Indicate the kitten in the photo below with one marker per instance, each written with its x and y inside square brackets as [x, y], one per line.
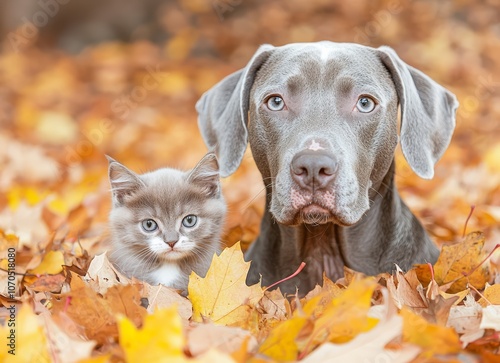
[165, 223]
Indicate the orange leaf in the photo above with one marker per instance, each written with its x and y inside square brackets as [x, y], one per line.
[456, 263]
[434, 339]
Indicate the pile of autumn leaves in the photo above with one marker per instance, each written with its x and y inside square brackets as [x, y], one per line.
[71, 314]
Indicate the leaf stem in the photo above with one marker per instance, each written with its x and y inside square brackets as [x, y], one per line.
[301, 267]
[483, 261]
[472, 207]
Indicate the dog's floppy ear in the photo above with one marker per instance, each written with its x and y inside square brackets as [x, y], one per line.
[427, 114]
[223, 113]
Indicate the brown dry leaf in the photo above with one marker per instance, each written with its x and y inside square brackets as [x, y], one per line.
[274, 306]
[63, 347]
[48, 283]
[465, 319]
[438, 304]
[457, 261]
[223, 296]
[102, 275]
[87, 309]
[403, 292]
[160, 297]
[96, 314]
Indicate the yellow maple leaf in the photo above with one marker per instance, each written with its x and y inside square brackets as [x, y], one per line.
[223, 296]
[491, 295]
[159, 340]
[7, 240]
[434, 339]
[326, 293]
[281, 342]
[345, 316]
[339, 321]
[51, 264]
[27, 336]
[457, 261]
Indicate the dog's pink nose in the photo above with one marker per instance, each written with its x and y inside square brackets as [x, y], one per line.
[313, 170]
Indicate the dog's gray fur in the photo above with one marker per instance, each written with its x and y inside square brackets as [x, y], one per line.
[358, 220]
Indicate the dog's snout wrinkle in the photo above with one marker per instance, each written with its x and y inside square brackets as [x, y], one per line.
[313, 170]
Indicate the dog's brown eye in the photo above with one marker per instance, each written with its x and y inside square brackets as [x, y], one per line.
[365, 104]
[275, 103]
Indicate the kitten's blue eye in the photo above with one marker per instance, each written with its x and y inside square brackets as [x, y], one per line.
[189, 221]
[149, 225]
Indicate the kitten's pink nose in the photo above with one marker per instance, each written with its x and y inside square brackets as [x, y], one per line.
[171, 244]
[171, 238]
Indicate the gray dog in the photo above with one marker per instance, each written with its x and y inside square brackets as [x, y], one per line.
[322, 123]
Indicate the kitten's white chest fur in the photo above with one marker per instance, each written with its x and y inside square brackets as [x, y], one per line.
[167, 274]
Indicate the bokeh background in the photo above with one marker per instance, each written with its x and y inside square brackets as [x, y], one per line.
[83, 78]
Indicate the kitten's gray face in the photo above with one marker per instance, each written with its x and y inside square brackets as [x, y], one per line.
[167, 215]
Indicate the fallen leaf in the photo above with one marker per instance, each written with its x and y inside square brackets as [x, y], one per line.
[49, 283]
[432, 338]
[491, 318]
[274, 306]
[281, 343]
[465, 318]
[28, 338]
[52, 263]
[205, 337]
[159, 340]
[491, 295]
[102, 275]
[456, 262]
[345, 316]
[369, 346]
[159, 297]
[223, 296]
[97, 314]
[403, 292]
[66, 348]
[326, 293]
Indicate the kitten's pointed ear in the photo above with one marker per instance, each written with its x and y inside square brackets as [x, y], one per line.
[206, 176]
[123, 181]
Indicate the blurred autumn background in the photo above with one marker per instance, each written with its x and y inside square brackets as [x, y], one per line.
[81, 79]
